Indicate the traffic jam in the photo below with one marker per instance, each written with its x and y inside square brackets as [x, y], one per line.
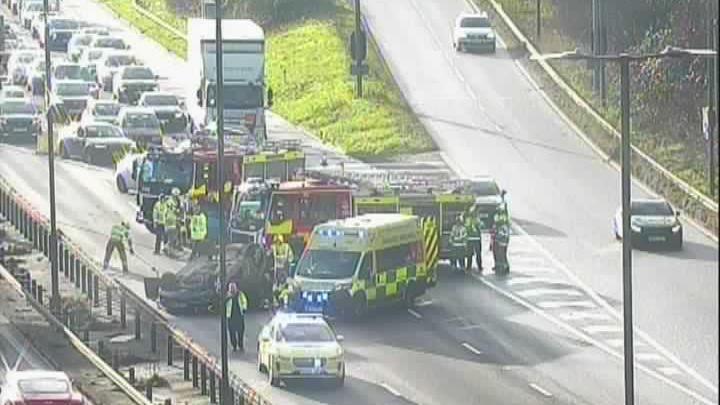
[309, 245]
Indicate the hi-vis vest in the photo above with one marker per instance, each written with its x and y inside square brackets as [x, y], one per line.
[458, 234]
[229, 305]
[119, 234]
[171, 214]
[282, 253]
[198, 227]
[472, 228]
[159, 212]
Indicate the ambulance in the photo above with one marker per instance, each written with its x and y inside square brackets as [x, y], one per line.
[356, 264]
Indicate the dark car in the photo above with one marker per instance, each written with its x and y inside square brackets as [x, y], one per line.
[652, 222]
[131, 81]
[60, 31]
[141, 125]
[19, 120]
[74, 95]
[169, 110]
[95, 143]
[102, 111]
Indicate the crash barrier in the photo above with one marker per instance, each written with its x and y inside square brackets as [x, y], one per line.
[86, 274]
[174, 31]
[695, 204]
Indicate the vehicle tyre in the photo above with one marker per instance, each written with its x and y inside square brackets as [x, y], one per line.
[272, 376]
[359, 306]
[88, 158]
[261, 367]
[121, 186]
[340, 381]
[409, 295]
[64, 152]
[492, 50]
[677, 242]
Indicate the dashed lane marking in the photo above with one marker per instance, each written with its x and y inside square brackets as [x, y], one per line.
[414, 313]
[424, 303]
[566, 304]
[541, 390]
[471, 348]
[470, 327]
[530, 280]
[594, 329]
[669, 371]
[391, 390]
[536, 292]
[580, 316]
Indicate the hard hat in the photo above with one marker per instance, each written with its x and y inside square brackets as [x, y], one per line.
[175, 191]
[162, 195]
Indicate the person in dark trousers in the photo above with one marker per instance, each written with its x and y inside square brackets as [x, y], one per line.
[159, 223]
[235, 307]
[119, 237]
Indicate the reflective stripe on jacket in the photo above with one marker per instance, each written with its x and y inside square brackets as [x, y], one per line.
[282, 253]
[159, 212]
[119, 234]
[458, 234]
[198, 227]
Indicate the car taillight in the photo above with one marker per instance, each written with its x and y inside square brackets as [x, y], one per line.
[250, 120]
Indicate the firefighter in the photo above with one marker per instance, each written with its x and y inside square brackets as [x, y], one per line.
[282, 257]
[500, 241]
[458, 243]
[472, 226]
[198, 230]
[171, 220]
[159, 223]
[119, 235]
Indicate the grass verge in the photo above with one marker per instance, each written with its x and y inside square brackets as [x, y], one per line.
[308, 69]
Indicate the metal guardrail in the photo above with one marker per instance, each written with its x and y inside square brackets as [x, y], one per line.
[140, 9]
[80, 346]
[583, 104]
[77, 265]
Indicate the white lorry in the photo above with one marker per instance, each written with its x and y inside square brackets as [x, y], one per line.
[244, 85]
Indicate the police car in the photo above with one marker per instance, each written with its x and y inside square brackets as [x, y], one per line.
[300, 346]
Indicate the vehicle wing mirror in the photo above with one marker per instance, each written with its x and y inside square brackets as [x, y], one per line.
[340, 338]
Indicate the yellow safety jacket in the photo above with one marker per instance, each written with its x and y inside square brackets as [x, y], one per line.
[159, 213]
[198, 227]
[229, 306]
[171, 214]
[119, 234]
[282, 253]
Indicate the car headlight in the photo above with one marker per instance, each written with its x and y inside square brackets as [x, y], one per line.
[343, 286]
[676, 228]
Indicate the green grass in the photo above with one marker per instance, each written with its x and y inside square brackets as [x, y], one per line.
[308, 69]
[673, 156]
[125, 10]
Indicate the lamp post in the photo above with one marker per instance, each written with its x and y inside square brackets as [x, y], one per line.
[54, 278]
[219, 102]
[624, 60]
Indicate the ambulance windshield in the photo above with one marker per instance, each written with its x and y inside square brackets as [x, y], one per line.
[328, 264]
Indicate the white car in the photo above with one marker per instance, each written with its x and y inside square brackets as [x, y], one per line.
[126, 172]
[473, 32]
[39, 387]
[652, 222]
[300, 346]
[110, 63]
[29, 10]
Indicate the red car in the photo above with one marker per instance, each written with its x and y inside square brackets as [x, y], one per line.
[39, 387]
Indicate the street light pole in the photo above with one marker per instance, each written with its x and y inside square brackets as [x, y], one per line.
[54, 278]
[225, 380]
[627, 232]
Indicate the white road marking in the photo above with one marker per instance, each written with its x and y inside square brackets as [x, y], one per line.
[585, 315]
[593, 329]
[471, 348]
[536, 292]
[414, 313]
[649, 357]
[669, 371]
[469, 327]
[529, 280]
[566, 304]
[541, 390]
[391, 389]
[599, 344]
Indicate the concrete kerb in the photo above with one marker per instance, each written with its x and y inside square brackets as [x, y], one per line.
[17, 208]
[710, 229]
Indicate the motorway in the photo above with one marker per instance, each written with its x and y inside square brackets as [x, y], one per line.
[488, 118]
[467, 342]
[15, 354]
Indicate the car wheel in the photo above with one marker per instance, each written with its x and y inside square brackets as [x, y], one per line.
[409, 295]
[677, 243]
[272, 376]
[261, 366]
[88, 158]
[340, 381]
[122, 187]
